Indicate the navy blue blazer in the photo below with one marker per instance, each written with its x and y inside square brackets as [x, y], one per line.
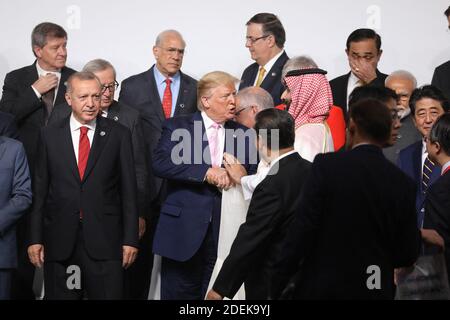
[15, 197]
[188, 208]
[410, 162]
[272, 81]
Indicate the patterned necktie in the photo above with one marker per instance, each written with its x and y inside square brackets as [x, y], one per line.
[428, 167]
[261, 74]
[167, 99]
[48, 99]
[213, 141]
[83, 151]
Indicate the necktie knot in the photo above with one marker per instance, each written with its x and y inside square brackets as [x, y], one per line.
[168, 81]
[261, 74]
[84, 130]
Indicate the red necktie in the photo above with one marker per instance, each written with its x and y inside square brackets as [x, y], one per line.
[83, 151]
[167, 99]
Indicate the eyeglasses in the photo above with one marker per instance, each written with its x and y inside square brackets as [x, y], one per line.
[253, 40]
[237, 113]
[172, 51]
[111, 87]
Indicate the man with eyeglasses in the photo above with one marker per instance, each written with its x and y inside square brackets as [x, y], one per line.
[403, 83]
[427, 103]
[363, 52]
[441, 78]
[249, 102]
[137, 279]
[265, 40]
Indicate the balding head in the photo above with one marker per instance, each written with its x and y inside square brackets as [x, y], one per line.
[403, 83]
[169, 52]
[249, 102]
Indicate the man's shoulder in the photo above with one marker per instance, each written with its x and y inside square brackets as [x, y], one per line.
[19, 73]
[340, 79]
[137, 78]
[68, 70]
[126, 110]
[188, 79]
[249, 69]
[13, 145]
[444, 67]
[407, 151]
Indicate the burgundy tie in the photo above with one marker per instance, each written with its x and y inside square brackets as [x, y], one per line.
[167, 99]
[83, 151]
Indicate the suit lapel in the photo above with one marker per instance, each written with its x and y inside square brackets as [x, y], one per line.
[153, 94]
[417, 162]
[62, 86]
[196, 130]
[273, 74]
[101, 136]
[66, 143]
[182, 94]
[32, 75]
[113, 112]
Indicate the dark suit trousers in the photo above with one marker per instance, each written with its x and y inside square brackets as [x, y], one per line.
[5, 284]
[189, 280]
[100, 279]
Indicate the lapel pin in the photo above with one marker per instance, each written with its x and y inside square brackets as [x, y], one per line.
[116, 118]
[274, 74]
[181, 105]
[102, 133]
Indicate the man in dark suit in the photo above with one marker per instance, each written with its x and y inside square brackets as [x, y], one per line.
[427, 103]
[137, 277]
[363, 50]
[29, 94]
[84, 216]
[403, 83]
[8, 127]
[189, 155]
[441, 75]
[15, 198]
[347, 241]
[265, 40]
[438, 198]
[149, 93]
[271, 211]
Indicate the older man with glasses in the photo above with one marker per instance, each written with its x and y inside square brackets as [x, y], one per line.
[265, 41]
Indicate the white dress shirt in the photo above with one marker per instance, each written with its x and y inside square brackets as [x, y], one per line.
[75, 126]
[445, 166]
[268, 66]
[42, 72]
[208, 122]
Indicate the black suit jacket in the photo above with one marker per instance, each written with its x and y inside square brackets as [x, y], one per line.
[20, 100]
[8, 127]
[437, 216]
[259, 240]
[272, 81]
[441, 78]
[106, 196]
[128, 117]
[140, 92]
[357, 211]
[339, 89]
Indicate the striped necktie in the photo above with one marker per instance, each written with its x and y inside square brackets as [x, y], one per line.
[428, 167]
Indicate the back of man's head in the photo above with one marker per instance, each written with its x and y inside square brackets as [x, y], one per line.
[373, 121]
[378, 93]
[364, 34]
[276, 128]
[440, 132]
[271, 25]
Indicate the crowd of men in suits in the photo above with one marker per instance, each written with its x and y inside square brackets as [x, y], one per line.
[102, 185]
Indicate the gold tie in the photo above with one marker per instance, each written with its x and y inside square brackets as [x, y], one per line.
[261, 74]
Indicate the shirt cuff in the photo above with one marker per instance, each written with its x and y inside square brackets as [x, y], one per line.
[37, 92]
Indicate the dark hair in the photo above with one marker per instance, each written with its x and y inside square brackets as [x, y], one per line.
[378, 93]
[440, 132]
[373, 119]
[43, 31]
[447, 12]
[364, 34]
[271, 25]
[271, 123]
[427, 91]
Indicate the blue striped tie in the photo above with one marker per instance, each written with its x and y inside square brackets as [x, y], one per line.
[428, 167]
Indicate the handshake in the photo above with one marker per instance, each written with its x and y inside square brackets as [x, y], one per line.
[228, 177]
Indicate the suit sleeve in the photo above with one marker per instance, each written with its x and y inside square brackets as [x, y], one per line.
[249, 246]
[128, 192]
[17, 101]
[407, 237]
[21, 193]
[437, 79]
[167, 164]
[40, 186]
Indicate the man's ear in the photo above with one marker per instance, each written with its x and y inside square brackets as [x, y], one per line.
[37, 51]
[156, 52]
[205, 102]
[68, 99]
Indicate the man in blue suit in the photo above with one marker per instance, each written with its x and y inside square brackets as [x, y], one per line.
[15, 198]
[427, 103]
[189, 155]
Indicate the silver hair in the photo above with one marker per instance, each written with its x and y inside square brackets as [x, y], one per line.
[43, 31]
[299, 62]
[255, 96]
[97, 65]
[402, 74]
[160, 37]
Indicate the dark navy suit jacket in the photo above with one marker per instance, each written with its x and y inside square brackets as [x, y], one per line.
[410, 162]
[189, 206]
[15, 197]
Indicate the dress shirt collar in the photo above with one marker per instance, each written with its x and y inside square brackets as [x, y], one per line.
[161, 79]
[76, 125]
[270, 63]
[42, 72]
[208, 121]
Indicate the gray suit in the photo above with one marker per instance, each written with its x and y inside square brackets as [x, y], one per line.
[408, 134]
[15, 198]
